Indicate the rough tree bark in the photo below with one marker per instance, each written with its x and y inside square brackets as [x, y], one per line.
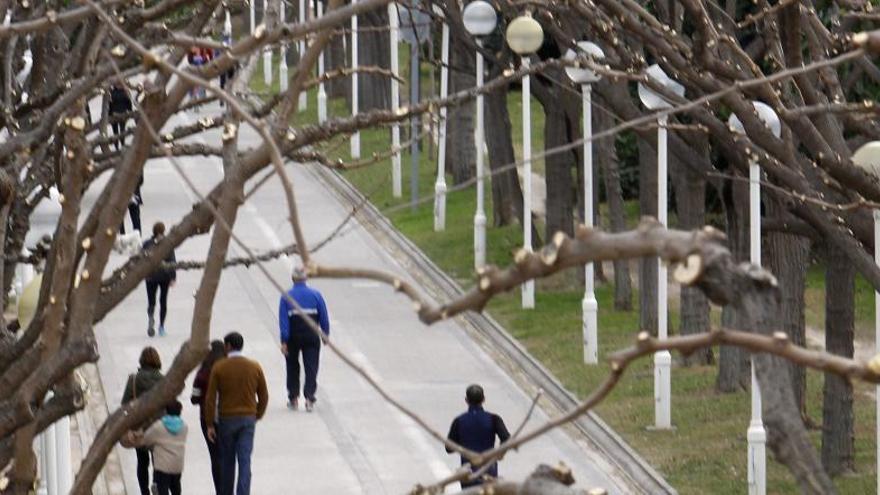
[507, 198]
[374, 91]
[607, 161]
[838, 446]
[733, 363]
[690, 203]
[787, 257]
[648, 267]
[460, 151]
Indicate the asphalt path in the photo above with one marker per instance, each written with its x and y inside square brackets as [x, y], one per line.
[354, 442]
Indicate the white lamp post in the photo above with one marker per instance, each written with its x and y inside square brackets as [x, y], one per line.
[322, 93]
[663, 359]
[440, 185]
[303, 95]
[356, 137]
[524, 36]
[479, 20]
[282, 66]
[868, 157]
[267, 53]
[396, 176]
[756, 435]
[586, 77]
[253, 15]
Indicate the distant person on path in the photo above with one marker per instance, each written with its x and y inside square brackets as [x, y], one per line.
[160, 280]
[199, 391]
[120, 104]
[167, 439]
[147, 376]
[237, 392]
[476, 430]
[297, 337]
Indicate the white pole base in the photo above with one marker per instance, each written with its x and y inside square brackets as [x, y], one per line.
[396, 175]
[591, 328]
[267, 69]
[282, 75]
[479, 240]
[440, 206]
[356, 146]
[662, 390]
[62, 442]
[757, 470]
[528, 294]
[303, 103]
[322, 104]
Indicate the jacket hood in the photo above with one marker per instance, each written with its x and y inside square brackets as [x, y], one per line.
[172, 423]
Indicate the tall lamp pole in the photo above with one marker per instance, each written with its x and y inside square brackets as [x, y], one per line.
[282, 65]
[756, 434]
[303, 95]
[356, 137]
[322, 93]
[662, 359]
[267, 53]
[524, 36]
[480, 19]
[440, 185]
[586, 77]
[868, 158]
[396, 175]
[253, 18]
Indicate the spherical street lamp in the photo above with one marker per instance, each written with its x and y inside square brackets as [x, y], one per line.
[480, 19]
[585, 77]
[524, 36]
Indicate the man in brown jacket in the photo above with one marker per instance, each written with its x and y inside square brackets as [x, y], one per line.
[240, 387]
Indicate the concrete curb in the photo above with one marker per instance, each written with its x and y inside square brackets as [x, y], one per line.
[643, 477]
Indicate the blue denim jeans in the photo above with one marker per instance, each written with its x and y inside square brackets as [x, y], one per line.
[236, 441]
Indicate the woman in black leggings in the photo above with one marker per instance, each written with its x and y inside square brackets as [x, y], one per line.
[160, 280]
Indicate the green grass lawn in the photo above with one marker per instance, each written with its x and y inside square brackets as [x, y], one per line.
[706, 452]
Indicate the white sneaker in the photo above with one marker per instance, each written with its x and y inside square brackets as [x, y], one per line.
[293, 404]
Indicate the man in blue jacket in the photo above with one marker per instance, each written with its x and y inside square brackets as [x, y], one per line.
[476, 430]
[297, 337]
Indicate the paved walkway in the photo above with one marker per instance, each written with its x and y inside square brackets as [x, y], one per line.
[354, 442]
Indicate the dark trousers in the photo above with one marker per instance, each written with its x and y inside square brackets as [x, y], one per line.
[310, 348]
[236, 441]
[213, 453]
[118, 130]
[143, 469]
[163, 299]
[167, 483]
[134, 211]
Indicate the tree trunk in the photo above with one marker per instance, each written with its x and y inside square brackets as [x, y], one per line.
[691, 207]
[648, 267]
[838, 450]
[460, 151]
[374, 91]
[507, 198]
[561, 186]
[787, 257]
[606, 156]
[335, 58]
[733, 363]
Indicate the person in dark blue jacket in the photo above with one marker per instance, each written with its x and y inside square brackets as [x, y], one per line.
[476, 430]
[297, 337]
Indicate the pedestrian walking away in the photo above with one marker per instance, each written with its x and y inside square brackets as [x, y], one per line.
[159, 281]
[476, 430]
[147, 376]
[199, 391]
[237, 393]
[119, 106]
[299, 338]
[167, 439]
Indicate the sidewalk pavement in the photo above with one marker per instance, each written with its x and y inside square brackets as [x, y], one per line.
[354, 442]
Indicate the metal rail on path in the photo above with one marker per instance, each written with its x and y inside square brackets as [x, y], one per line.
[643, 478]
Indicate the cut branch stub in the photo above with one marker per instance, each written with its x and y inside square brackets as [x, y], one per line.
[687, 272]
